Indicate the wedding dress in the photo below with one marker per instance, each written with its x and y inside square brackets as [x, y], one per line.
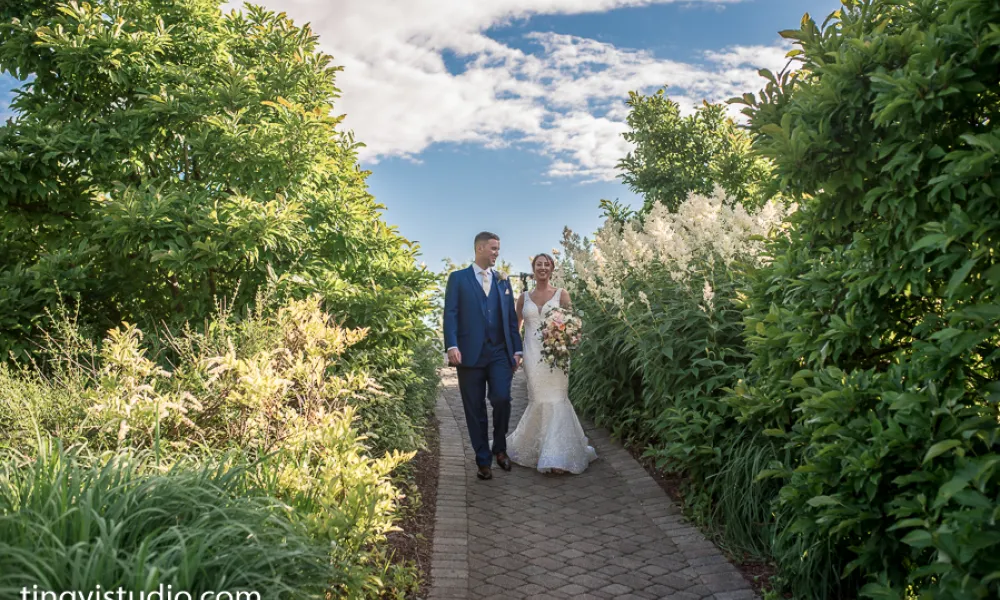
[549, 436]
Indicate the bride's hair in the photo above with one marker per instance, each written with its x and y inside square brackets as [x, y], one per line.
[541, 255]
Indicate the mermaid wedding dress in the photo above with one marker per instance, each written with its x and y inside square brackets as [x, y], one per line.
[549, 436]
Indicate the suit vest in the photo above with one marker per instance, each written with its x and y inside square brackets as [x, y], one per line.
[494, 318]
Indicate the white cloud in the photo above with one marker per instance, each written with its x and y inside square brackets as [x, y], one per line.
[743, 56]
[583, 145]
[565, 100]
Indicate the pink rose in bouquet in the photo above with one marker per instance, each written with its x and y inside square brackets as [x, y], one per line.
[560, 337]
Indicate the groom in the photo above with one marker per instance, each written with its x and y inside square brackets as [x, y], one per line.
[481, 335]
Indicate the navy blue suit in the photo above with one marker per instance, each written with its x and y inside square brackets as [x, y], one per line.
[484, 328]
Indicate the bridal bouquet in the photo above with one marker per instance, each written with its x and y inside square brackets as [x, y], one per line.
[560, 337]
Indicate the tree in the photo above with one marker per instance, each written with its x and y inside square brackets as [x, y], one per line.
[876, 329]
[676, 156]
[165, 155]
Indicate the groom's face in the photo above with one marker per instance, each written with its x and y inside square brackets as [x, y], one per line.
[488, 251]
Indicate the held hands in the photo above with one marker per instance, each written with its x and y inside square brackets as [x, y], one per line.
[455, 359]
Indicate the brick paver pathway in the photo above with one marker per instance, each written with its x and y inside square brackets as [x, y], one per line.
[608, 533]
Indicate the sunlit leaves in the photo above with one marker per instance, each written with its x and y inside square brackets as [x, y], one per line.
[885, 290]
[165, 155]
[675, 156]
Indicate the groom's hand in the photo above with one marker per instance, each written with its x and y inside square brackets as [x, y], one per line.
[518, 359]
[454, 357]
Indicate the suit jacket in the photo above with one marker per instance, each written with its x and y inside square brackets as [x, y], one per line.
[465, 315]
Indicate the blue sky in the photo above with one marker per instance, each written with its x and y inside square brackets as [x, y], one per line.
[507, 115]
[7, 83]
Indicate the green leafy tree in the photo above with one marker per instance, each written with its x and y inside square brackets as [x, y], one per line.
[164, 155]
[676, 156]
[616, 211]
[876, 330]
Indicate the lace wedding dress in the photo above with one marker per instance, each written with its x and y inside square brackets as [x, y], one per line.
[549, 436]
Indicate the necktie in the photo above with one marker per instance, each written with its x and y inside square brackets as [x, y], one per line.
[486, 282]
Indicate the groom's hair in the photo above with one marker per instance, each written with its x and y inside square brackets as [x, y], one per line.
[484, 236]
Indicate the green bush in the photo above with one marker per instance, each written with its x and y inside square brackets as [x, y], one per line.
[70, 522]
[279, 388]
[663, 340]
[164, 156]
[201, 149]
[345, 498]
[875, 332]
[676, 156]
[237, 382]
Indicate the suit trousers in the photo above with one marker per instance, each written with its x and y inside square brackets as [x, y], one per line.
[488, 378]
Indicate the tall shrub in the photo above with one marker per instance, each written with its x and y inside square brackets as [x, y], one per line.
[875, 332]
[163, 155]
[663, 337]
[279, 390]
[677, 155]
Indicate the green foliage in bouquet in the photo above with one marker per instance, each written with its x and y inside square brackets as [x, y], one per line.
[876, 331]
[164, 155]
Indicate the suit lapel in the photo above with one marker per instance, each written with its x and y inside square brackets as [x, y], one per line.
[502, 290]
[480, 295]
[472, 278]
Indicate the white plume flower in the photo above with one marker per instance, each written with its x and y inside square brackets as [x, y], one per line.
[705, 231]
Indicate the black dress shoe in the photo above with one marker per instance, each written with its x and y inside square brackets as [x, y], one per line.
[503, 461]
[484, 472]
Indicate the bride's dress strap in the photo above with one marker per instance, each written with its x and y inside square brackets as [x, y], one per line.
[557, 297]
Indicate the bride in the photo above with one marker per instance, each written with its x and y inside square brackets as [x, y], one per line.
[549, 436]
